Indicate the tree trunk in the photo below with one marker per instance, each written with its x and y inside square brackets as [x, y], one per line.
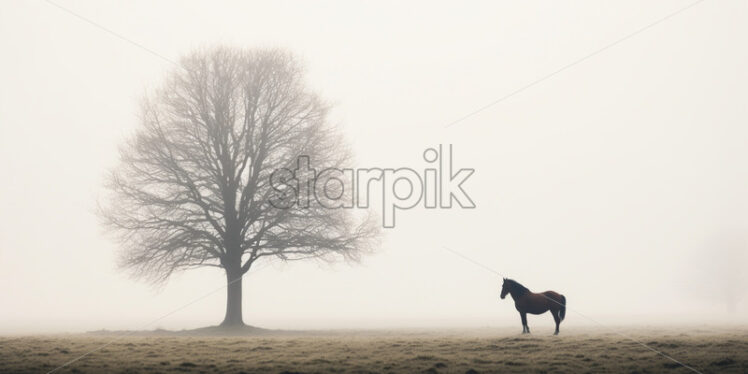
[233, 298]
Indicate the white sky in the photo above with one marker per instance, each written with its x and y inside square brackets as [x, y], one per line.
[619, 182]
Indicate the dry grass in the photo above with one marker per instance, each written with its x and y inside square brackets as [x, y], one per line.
[486, 351]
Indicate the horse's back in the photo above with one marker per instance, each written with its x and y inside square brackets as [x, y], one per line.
[553, 294]
[555, 299]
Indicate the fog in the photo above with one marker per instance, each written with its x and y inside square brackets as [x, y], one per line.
[620, 181]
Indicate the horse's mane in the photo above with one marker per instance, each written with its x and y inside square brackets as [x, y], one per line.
[518, 288]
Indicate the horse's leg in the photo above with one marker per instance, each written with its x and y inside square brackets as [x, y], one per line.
[525, 328]
[556, 318]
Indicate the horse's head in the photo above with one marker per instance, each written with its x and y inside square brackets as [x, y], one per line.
[504, 289]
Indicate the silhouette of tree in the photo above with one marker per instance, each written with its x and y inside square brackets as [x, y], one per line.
[193, 185]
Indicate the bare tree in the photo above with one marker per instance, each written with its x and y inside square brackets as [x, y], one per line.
[193, 186]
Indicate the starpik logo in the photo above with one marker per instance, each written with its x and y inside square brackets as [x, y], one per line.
[438, 185]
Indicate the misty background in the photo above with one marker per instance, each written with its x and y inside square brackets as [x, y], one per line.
[620, 182]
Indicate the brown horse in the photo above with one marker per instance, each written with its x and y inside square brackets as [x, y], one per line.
[534, 303]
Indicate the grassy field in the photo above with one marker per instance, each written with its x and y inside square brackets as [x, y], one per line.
[485, 351]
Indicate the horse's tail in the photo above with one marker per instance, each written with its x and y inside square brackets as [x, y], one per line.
[562, 312]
